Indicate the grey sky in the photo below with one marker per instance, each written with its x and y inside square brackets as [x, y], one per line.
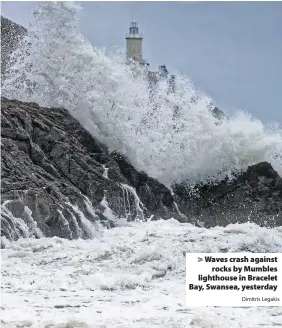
[232, 50]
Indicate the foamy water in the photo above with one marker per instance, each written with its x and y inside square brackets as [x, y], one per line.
[128, 277]
[62, 69]
[132, 275]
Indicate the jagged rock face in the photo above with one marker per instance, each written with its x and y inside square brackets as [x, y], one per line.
[57, 180]
[50, 164]
[254, 196]
[218, 114]
[11, 34]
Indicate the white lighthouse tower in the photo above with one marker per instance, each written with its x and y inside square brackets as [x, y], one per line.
[134, 44]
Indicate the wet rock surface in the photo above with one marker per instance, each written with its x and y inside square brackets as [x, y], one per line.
[57, 180]
[254, 196]
[50, 164]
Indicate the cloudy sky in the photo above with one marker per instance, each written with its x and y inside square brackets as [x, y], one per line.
[232, 50]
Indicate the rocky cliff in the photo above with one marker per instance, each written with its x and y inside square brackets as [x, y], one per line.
[56, 175]
[57, 180]
[254, 196]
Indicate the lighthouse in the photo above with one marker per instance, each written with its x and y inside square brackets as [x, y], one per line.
[134, 44]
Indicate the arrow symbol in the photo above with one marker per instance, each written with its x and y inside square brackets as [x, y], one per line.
[200, 259]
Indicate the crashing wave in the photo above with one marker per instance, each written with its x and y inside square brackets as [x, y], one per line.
[57, 67]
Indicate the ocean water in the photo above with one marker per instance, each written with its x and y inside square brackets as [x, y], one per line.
[57, 66]
[132, 275]
[127, 277]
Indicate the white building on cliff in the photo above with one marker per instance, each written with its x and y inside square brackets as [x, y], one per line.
[134, 53]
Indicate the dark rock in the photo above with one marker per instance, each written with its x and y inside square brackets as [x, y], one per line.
[54, 178]
[145, 186]
[218, 114]
[254, 196]
[51, 164]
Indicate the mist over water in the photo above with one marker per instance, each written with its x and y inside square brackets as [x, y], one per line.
[57, 67]
[136, 269]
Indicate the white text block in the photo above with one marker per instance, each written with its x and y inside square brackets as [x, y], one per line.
[233, 279]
